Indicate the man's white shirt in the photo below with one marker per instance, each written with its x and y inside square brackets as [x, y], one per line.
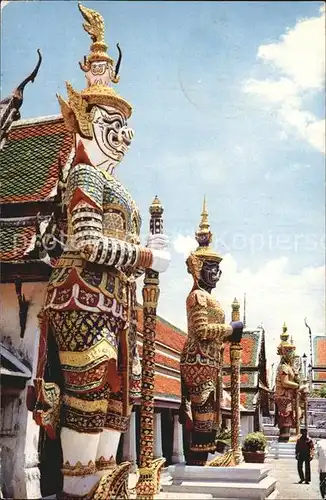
[321, 454]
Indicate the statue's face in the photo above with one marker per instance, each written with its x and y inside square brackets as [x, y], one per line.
[111, 138]
[210, 273]
[99, 67]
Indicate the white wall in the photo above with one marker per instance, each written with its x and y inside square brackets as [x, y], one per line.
[20, 453]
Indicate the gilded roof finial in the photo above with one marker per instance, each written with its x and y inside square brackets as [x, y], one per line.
[235, 310]
[156, 207]
[235, 304]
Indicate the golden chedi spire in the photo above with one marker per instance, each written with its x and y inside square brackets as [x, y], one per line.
[100, 74]
[235, 310]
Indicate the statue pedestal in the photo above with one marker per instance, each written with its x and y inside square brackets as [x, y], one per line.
[245, 481]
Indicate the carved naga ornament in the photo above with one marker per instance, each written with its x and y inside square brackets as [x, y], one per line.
[9, 106]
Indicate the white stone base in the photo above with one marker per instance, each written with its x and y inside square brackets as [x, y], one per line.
[245, 482]
[281, 450]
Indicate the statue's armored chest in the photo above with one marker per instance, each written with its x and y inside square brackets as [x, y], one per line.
[215, 313]
[121, 217]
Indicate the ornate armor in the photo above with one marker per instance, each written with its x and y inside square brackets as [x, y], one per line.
[200, 361]
[288, 392]
[90, 301]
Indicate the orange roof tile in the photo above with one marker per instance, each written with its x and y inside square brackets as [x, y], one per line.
[319, 351]
[167, 386]
[161, 359]
[250, 343]
[165, 332]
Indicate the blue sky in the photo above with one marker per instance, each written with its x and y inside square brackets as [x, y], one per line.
[223, 106]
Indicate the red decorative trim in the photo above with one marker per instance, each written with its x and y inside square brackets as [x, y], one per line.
[81, 156]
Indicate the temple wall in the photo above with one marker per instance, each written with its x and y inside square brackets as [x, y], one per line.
[19, 454]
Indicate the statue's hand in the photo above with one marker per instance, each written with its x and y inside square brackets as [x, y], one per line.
[304, 389]
[161, 260]
[157, 241]
[237, 331]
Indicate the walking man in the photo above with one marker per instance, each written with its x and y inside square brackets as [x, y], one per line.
[304, 452]
[321, 454]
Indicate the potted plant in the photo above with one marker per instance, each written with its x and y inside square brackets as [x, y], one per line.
[253, 448]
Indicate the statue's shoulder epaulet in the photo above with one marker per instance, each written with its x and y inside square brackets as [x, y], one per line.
[284, 368]
[84, 181]
[197, 297]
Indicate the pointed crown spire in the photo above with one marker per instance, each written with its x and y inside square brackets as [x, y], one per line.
[285, 346]
[204, 238]
[94, 26]
[100, 74]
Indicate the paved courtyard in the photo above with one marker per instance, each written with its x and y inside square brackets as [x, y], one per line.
[285, 471]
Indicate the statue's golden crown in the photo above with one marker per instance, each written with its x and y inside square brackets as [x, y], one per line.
[204, 251]
[285, 346]
[204, 239]
[77, 109]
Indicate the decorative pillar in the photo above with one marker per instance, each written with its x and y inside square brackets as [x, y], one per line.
[177, 453]
[149, 470]
[158, 451]
[235, 355]
[129, 443]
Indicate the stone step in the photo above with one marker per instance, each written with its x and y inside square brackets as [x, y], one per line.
[184, 496]
[245, 472]
[226, 489]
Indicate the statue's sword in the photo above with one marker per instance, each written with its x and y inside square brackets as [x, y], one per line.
[149, 472]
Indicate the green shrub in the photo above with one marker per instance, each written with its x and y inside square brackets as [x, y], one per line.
[224, 434]
[255, 441]
[319, 393]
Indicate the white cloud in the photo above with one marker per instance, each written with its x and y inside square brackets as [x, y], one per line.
[275, 91]
[184, 244]
[300, 53]
[298, 59]
[275, 295]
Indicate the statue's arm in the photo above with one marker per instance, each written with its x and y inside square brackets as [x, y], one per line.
[84, 198]
[199, 317]
[286, 382]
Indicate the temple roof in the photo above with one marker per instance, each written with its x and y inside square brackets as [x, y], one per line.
[169, 344]
[319, 358]
[252, 370]
[11, 365]
[30, 160]
[251, 345]
[166, 333]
